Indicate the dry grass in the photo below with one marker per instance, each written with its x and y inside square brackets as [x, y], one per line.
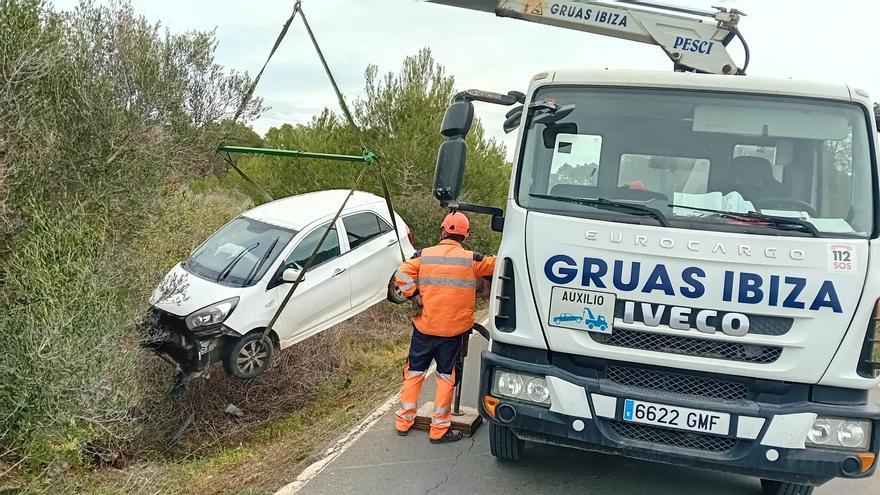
[315, 391]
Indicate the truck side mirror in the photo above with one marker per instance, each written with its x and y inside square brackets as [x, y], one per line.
[458, 119]
[452, 155]
[449, 173]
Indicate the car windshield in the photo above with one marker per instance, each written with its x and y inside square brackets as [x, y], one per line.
[691, 159]
[240, 253]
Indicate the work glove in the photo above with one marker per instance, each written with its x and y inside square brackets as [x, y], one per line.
[416, 302]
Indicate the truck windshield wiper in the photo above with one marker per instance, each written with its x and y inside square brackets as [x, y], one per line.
[229, 266]
[754, 216]
[610, 205]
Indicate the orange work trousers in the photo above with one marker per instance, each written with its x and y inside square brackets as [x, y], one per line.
[446, 352]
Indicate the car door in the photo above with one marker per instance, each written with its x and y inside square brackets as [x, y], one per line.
[373, 255]
[324, 292]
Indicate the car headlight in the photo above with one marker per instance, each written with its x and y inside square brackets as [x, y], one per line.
[521, 386]
[211, 315]
[853, 434]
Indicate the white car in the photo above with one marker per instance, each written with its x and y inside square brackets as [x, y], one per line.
[215, 305]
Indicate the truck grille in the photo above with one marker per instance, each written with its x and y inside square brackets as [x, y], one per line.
[674, 344]
[675, 438]
[758, 324]
[663, 383]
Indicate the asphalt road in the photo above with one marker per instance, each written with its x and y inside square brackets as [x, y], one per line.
[381, 462]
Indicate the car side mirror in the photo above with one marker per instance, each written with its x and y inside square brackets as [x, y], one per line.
[289, 275]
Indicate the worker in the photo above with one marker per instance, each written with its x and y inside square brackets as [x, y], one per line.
[442, 279]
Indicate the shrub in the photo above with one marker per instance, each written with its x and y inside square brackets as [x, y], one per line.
[102, 119]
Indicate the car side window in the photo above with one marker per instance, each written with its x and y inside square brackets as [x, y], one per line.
[329, 250]
[362, 227]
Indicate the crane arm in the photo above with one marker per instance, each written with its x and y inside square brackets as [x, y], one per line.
[696, 41]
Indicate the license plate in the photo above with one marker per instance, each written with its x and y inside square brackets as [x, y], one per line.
[680, 418]
[580, 309]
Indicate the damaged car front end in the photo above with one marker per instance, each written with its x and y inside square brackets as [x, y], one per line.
[190, 343]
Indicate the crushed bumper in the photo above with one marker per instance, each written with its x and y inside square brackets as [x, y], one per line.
[168, 336]
[747, 450]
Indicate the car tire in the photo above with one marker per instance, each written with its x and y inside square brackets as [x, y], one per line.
[504, 445]
[394, 294]
[771, 487]
[248, 356]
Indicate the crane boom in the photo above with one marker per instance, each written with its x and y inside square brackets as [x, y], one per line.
[696, 41]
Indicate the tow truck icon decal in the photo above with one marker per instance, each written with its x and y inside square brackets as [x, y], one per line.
[595, 321]
[590, 320]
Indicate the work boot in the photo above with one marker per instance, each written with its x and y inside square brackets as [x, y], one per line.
[449, 436]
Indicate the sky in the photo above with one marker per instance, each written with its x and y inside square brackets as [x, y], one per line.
[802, 39]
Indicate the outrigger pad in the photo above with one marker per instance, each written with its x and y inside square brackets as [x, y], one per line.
[467, 423]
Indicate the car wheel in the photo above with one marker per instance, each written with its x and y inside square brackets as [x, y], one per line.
[771, 487]
[590, 326]
[248, 356]
[395, 295]
[503, 444]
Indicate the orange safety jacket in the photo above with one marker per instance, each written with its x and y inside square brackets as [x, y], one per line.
[445, 276]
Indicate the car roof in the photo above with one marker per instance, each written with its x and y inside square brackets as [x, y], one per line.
[297, 212]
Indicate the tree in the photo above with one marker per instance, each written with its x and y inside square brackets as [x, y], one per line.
[102, 117]
[400, 115]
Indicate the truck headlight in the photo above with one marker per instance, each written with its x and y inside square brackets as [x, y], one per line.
[853, 434]
[820, 433]
[211, 315]
[522, 386]
[537, 390]
[509, 384]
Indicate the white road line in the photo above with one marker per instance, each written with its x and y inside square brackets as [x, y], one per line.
[339, 447]
[347, 440]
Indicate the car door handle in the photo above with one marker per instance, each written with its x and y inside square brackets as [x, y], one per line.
[338, 271]
[392, 242]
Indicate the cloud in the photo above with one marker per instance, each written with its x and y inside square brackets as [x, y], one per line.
[788, 38]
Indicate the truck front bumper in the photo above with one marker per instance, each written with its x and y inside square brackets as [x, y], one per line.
[760, 442]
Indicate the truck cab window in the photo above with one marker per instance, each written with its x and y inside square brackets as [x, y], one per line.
[664, 174]
[698, 151]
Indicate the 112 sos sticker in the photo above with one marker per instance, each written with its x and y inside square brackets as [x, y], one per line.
[842, 259]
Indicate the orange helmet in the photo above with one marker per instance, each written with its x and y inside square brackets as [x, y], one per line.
[456, 223]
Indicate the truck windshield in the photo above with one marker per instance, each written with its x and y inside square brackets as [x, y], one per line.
[240, 253]
[695, 157]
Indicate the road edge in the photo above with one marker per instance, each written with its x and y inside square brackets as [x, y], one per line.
[347, 440]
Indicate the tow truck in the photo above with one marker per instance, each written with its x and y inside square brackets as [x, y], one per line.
[729, 230]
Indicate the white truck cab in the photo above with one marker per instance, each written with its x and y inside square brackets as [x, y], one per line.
[689, 267]
[688, 273]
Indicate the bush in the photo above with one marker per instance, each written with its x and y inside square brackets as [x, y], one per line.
[102, 119]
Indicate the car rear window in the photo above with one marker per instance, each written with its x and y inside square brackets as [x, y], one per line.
[361, 227]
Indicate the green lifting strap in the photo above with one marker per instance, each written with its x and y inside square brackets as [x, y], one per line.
[367, 157]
